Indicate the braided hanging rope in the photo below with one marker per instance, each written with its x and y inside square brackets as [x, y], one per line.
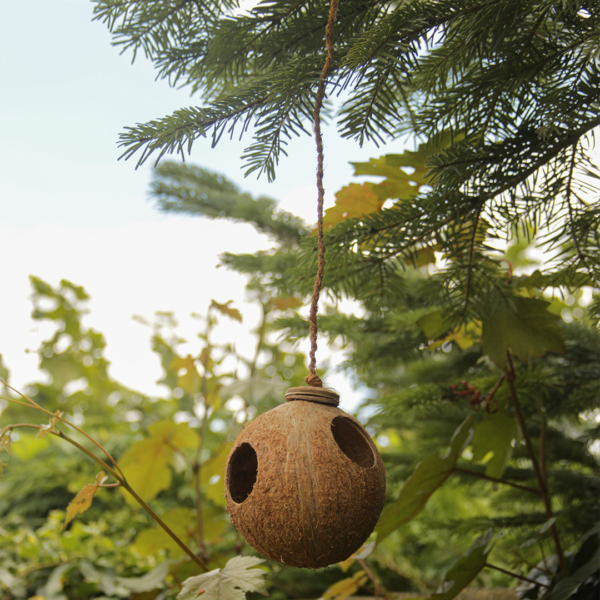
[312, 378]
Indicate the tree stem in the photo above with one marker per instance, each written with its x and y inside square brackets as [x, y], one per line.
[503, 481]
[510, 376]
[516, 575]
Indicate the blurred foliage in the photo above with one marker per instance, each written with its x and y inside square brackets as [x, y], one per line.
[462, 489]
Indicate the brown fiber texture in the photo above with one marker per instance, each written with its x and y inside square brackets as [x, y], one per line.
[310, 505]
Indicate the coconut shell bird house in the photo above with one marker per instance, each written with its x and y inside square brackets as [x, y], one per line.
[304, 482]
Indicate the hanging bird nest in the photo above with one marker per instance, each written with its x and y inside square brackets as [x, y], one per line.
[304, 482]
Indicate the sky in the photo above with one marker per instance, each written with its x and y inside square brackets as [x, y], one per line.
[69, 209]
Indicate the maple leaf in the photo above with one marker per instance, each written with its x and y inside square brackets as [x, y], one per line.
[231, 583]
[83, 500]
[225, 309]
[46, 429]
[286, 303]
[352, 200]
[522, 325]
[189, 380]
[146, 463]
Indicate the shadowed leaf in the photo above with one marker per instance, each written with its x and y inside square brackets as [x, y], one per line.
[524, 326]
[466, 569]
[495, 435]
[429, 475]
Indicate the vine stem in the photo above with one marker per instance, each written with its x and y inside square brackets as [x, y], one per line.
[122, 481]
[313, 379]
[36, 405]
[542, 484]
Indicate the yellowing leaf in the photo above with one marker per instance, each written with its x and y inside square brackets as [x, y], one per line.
[464, 337]
[206, 359]
[231, 583]
[434, 324]
[522, 325]
[361, 553]
[225, 309]
[213, 397]
[46, 429]
[286, 303]
[145, 465]
[188, 377]
[83, 500]
[174, 435]
[423, 256]
[5, 442]
[353, 200]
[495, 435]
[346, 587]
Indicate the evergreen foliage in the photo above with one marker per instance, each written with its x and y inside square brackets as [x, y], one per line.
[426, 376]
[504, 94]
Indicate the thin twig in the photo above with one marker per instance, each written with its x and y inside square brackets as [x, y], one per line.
[36, 405]
[516, 575]
[502, 481]
[378, 588]
[510, 376]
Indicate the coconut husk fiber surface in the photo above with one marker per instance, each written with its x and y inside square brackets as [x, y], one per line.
[305, 484]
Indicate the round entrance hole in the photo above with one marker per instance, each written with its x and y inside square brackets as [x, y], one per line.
[352, 441]
[241, 472]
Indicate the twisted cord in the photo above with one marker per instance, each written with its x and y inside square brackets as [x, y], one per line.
[312, 378]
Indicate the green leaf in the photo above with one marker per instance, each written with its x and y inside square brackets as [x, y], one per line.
[181, 521]
[567, 587]
[231, 583]
[429, 475]
[434, 324]
[522, 325]
[145, 465]
[495, 435]
[466, 569]
[215, 465]
[150, 581]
